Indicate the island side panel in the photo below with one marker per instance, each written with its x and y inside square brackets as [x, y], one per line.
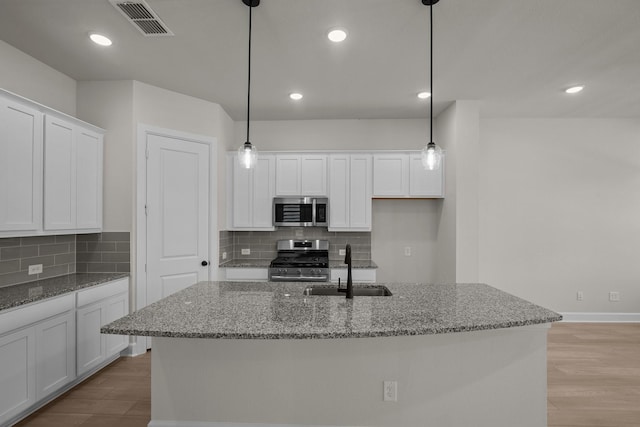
[487, 378]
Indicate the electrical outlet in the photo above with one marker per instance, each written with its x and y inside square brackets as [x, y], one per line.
[407, 251]
[299, 233]
[390, 391]
[342, 252]
[614, 296]
[35, 269]
[246, 252]
[579, 296]
[224, 255]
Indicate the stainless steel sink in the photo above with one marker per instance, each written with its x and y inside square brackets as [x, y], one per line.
[362, 291]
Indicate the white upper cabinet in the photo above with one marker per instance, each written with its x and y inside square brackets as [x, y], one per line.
[89, 155]
[424, 183]
[301, 175]
[50, 171]
[72, 176]
[350, 192]
[251, 194]
[20, 167]
[401, 175]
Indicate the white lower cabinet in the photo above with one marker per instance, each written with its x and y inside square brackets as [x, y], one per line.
[37, 353]
[56, 353]
[17, 376]
[247, 274]
[47, 345]
[358, 275]
[98, 306]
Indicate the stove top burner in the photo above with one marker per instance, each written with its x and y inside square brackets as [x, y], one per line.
[301, 260]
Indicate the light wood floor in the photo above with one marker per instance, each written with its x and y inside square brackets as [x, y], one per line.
[593, 381]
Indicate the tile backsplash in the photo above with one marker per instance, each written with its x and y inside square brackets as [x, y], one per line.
[262, 244]
[57, 254]
[106, 252]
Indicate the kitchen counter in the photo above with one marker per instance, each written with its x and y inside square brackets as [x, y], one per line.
[25, 293]
[451, 354]
[354, 264]
[278, 310]
[260, 263]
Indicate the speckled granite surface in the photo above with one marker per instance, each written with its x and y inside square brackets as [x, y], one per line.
[354, 264]
[277, 310]
[257, 263]
[246, 263]
[25, 293]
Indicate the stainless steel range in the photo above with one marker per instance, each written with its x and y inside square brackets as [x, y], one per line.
[301, 261]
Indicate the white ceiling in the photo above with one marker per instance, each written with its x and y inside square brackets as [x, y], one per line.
[514, 56]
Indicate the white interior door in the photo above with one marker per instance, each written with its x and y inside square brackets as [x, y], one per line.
[177, 214]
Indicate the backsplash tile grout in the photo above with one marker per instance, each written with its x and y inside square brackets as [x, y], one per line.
[106, 252]
[262, 244]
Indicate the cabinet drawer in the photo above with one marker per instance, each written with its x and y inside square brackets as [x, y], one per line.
[32, 313]
[101, 292]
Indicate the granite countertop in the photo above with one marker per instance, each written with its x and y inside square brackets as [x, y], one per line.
[259, 263]
[279, 310]
[354, 264]
[25, 293]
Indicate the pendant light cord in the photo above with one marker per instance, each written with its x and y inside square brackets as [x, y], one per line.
[431, 73]
[249, 76]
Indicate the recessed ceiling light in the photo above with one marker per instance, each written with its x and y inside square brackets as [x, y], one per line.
[295, 96]
[337, 35]
[424, 95]
[574, 89]
[100, 39]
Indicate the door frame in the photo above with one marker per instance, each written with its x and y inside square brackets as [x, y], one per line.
[139, 293]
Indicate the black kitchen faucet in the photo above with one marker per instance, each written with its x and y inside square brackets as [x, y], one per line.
[347, 260]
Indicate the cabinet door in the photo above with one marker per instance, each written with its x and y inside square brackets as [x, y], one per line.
[313, 175]
[59, 175]
[17, 373]
[288, 175]
[390, 175]
[20, 167]
[339, 184]
[262, 194]
[115, 308]
[89, 180]
[242, 194]
[424, 183]
[55, 359]
[90, 345]
[360, 192]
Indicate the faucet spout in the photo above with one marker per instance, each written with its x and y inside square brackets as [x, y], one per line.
[347, 260]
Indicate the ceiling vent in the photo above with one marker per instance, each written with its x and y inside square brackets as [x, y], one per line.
[142, 17]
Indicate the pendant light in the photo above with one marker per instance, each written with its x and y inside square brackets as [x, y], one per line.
[431, 153]
[248, 153]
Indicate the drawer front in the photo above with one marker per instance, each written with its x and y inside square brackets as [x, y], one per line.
[100, 292]
[34, 312]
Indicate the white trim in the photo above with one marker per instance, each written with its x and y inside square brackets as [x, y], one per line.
[601, 317]
[166, 423]
[141, 220]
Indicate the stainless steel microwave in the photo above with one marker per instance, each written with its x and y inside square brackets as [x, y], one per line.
[301, 211]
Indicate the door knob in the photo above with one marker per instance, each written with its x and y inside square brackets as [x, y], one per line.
[204, 263]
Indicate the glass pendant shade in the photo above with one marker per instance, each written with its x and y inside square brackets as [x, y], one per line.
[431, 156]
[247, 155]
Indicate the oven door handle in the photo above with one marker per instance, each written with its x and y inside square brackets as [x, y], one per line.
[318, 278]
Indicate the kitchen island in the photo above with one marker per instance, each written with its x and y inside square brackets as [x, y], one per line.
[227, 353]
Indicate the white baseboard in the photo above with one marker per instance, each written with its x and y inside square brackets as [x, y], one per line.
[601, 317]
[164, 423]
